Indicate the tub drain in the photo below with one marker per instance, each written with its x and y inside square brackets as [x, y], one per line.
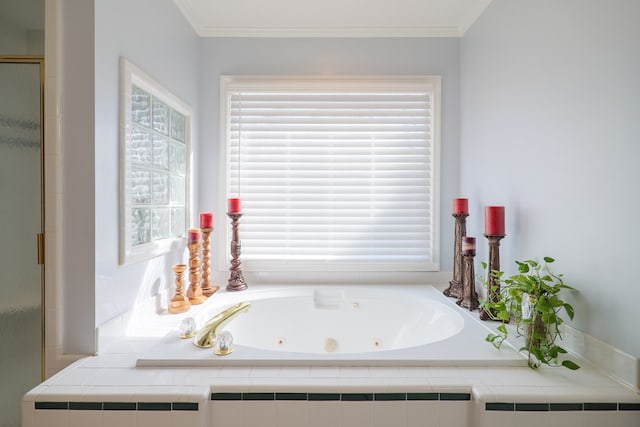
[377, 343]
[330, 345]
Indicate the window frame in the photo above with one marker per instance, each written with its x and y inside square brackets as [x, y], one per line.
[230, 82]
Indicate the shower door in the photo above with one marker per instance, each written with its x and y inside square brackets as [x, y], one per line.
[21, 225]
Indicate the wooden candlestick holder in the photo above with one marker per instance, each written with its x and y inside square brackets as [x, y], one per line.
[207, 289]
[455, 286]
[493, 287]
[179, 303]
[469, 298]
[194, 293]
[236, 280]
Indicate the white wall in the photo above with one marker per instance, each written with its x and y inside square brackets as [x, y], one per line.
[549, 102]
[154, 36]
[331, 56]
[77, 201]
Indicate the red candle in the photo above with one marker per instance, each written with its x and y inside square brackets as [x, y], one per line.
[460, 206]
[193, 235]
[494, 220]
[234, 205]
[206, 220]
[468, 245]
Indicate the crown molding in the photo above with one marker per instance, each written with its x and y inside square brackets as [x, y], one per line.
[338, 32]
[354, 32]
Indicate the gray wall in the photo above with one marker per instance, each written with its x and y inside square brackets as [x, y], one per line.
[333, 57]
[549, 128]
[153, 35]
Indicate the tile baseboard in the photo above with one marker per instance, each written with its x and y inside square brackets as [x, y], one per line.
[612, 361]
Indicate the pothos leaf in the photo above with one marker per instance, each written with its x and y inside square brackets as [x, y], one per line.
[571, 365]
[569, 309]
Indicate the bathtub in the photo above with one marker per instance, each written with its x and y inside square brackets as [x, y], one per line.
[340, 326]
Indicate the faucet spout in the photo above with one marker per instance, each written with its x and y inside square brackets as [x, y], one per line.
[206, 337]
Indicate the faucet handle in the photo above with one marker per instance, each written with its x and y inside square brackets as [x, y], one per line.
[224, 341]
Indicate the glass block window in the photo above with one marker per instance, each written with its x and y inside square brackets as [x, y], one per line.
[155, 144]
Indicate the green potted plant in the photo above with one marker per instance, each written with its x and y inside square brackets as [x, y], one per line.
[531, 299]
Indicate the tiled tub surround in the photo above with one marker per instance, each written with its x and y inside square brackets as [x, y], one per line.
[109, 390]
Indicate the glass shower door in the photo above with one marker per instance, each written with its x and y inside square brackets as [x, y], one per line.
[20, 222]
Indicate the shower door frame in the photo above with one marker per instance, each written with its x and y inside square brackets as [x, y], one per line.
[37, 59]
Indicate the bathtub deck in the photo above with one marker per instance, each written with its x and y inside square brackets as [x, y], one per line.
[466, 348]
[248, 396]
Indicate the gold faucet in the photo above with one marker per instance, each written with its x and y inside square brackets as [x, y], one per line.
[206, 337]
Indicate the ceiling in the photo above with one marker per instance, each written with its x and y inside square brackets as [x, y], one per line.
[300, 18]
[331, 18]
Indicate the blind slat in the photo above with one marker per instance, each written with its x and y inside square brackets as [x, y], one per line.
[333, 173]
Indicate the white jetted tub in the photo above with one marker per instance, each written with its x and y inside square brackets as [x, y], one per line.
[333, 326]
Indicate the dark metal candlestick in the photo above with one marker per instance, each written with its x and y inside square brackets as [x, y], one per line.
[455, 286]
[493, 288]
[469, 298]
[236, 280]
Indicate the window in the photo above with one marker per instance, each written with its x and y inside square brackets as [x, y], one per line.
[154, 170]
[336, 173]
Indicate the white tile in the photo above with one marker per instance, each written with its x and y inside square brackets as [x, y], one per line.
[496, 418]
[153, 419]
[119, 418]
[324, 372]
[568, 419]
[351, 372]
[385, 373]
[235, 372]
[629, 419]
[74, 377]
[600, 418]
[390, 414]
[257, 413]
[28, 414]
[264, 372]
[423, 413]
[356, 414]
[323, 414]
[51, 418]
[531, 419]
[292, 413]
[415, 372]
[454, 413]
[295, 372]
[85, 418]
[226, 413]
[187, 418]
[115, 360]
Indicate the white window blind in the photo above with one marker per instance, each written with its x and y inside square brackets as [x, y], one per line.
[334, 173]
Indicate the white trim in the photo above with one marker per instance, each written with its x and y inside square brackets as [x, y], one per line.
[338, 32]
[53, 188]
